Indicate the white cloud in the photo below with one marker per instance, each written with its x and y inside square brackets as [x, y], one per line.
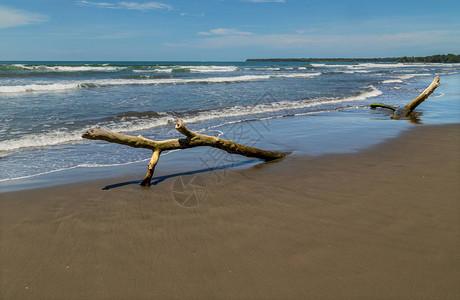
[97, 4]
[14, 17]
[228, 31]
[126, 5]
[334, 44]
[183, 14]
[224, 31]
[144, 6]
[118, 35]
[264, 1]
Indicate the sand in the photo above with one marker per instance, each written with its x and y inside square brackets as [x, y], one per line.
[382, 223]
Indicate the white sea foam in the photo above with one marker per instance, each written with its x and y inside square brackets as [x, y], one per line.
[147, 70]
[43, 87]
[355, 71]
[210, 69]
[401, 78]
[72, 168]
[193, 69]
[392, 81]
[236, 111]
[385, 65]
[160, 70]
[83, 68]
[424, 65]
[296, 75]
[164, 70]
[267, 69]
[60, 136]
[38, 174]
[377, 65]
[409, 76]
[54, 137]
[366, 65]
[113, 82]
[69, 68]
[85, 166]
[38, 87]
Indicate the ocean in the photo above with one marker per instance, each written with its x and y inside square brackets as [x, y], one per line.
[46, 106]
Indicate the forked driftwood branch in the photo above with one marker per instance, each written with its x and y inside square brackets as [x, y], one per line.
[405, 111]
[192, 139]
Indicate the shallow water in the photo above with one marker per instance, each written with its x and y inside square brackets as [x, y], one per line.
[47, 106]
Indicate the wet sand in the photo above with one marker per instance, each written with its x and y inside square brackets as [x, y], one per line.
[381, 223]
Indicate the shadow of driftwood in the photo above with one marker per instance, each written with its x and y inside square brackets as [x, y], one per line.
[414, 117]
[157, 180]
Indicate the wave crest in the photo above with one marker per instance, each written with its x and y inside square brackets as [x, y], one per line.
[114, 82]
[140, 121]
[77, 68]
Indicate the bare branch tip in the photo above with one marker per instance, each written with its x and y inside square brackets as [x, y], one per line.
[87, 133]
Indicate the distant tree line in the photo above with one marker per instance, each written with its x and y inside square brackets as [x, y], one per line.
[439, 58]
[387, 59]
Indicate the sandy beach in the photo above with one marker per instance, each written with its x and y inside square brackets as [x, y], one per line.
[357, 106]
[379, 224]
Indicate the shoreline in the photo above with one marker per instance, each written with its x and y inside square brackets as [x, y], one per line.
[350, 129]
[345, 131]
[379, 222]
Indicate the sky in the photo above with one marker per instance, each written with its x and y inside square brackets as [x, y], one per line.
[225, 30]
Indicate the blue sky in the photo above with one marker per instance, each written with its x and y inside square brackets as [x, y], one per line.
[225, 30]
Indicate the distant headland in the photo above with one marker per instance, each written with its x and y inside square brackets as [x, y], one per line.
[439, 58]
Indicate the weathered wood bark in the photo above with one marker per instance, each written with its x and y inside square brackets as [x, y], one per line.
[153, 162]
[405, 111]
[422, 97]
[375, 105]
[192, 139]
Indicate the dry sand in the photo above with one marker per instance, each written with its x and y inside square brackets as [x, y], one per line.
[383, 223]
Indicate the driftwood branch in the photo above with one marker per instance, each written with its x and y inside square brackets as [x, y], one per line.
[192, 139]
[375, 105]
[423, 96]
[405, 111]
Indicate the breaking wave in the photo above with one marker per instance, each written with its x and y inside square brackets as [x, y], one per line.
[140, 121]
[401, 78]
[114, 82]
[188, 69]
[81, 68]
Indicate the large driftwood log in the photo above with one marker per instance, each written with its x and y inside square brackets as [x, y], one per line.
[192, 139]
[405, 111]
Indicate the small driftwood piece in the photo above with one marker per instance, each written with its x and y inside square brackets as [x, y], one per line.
[405, 111]
[192, 139]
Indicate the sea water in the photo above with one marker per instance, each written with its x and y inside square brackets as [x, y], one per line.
[46, 106]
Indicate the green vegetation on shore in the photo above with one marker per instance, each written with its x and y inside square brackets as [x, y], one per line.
[390, 59]
[439, 58]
